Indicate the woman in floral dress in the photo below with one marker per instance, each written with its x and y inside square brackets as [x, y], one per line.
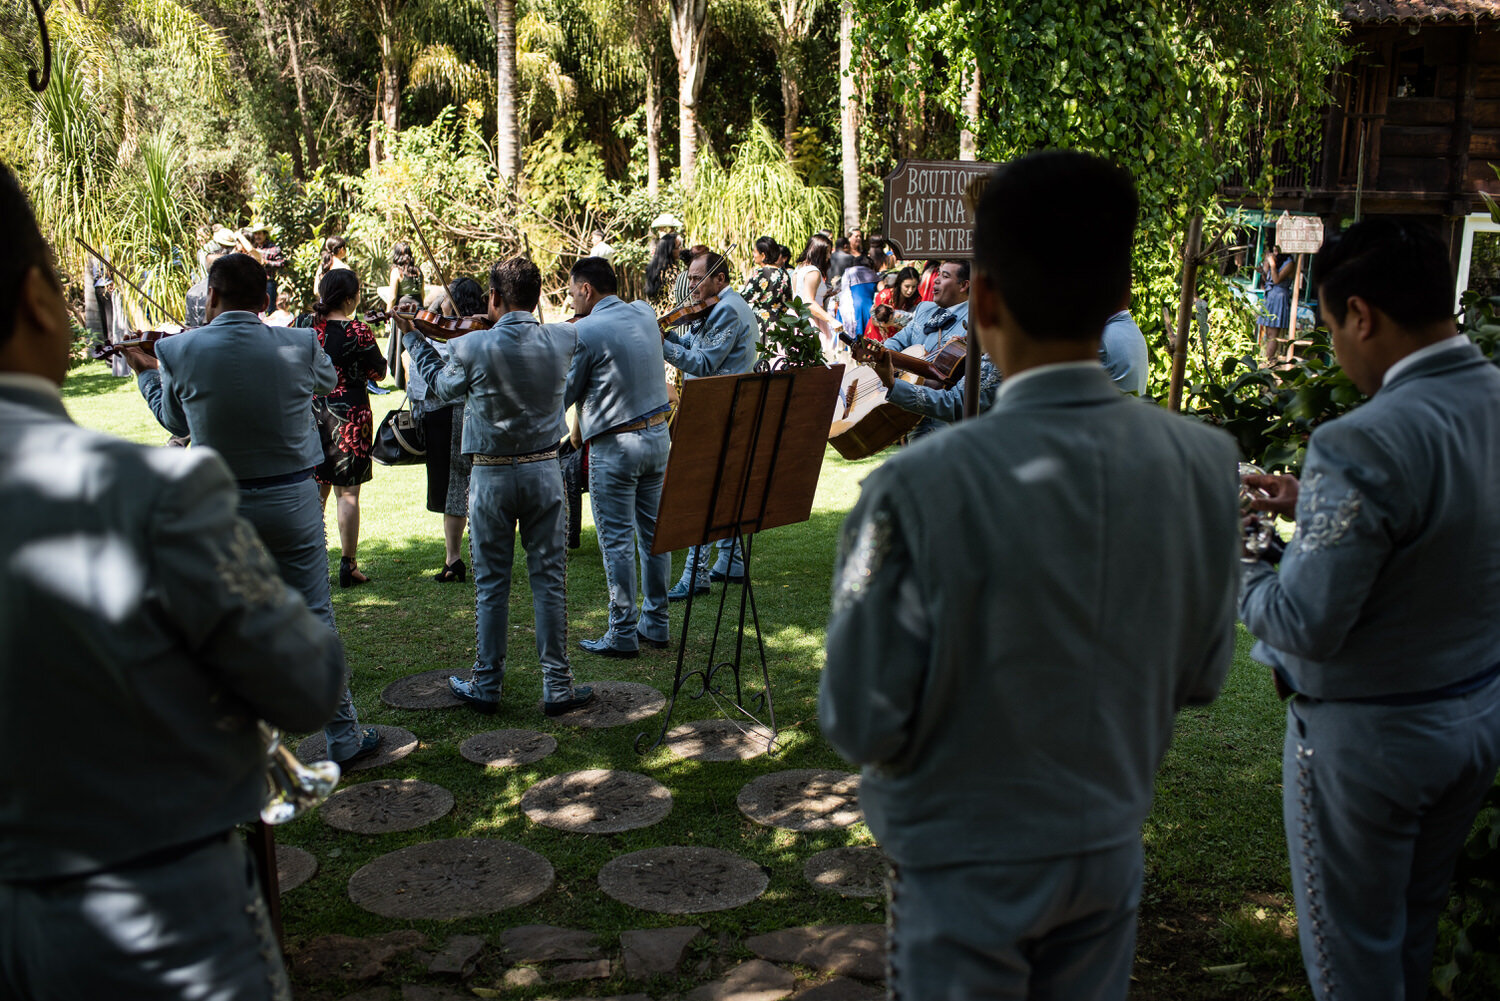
[344, 420]
[768, 290]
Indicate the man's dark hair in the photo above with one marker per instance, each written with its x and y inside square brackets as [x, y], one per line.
[1053, 237]
[597, 272]
[22, 249]
[517, 282]
[714, 264]
[963, 270]
[241, 283]
[1398, 268]
[841, 245]
[468, 297]
[767, 247]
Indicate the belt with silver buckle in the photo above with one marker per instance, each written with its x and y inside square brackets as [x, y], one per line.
[515, 460]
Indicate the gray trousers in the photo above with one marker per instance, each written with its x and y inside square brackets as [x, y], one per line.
[1377, 803]
[502, 498]
[289, 520]
[194, 928]
[1059, 930]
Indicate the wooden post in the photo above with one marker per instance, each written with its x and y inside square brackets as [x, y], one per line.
[1190, 248]
[1291, 323]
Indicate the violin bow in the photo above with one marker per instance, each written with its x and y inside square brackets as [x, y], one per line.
[700, 281]
[447, 285]
[114, 272]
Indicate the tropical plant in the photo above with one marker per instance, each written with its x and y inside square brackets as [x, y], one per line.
[791, 339]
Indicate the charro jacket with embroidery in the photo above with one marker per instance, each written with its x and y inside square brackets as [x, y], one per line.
[1011, 692]
[1391, 582]
[722, 344]
[144, 630]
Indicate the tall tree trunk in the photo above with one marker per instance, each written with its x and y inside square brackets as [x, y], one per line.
[376, 150]
[390, 93]
[266, 28]
[848, 116]
[507, 122]
[689, 19]
[791, 97]
[294, 45]
[968, 144]
[916, 110]
[653, 124]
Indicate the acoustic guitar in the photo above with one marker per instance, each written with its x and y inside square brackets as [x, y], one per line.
[864, 421]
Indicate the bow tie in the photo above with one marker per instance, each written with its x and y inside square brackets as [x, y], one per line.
[938, 320]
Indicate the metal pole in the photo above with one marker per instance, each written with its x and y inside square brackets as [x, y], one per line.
[1185, 311]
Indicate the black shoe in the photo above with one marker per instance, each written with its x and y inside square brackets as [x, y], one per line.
[656, 644]
[349, 574]
[582, 696]
[715, 577]
[602, 648]
[455, 571]
[369, 743]
[464, 691]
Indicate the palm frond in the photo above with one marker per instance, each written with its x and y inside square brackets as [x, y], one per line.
[442, 71]
[187, 37]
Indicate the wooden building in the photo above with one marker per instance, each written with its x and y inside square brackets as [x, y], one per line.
[1413, 127]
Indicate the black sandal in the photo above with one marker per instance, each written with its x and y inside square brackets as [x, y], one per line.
[349, 574]
[455, 571]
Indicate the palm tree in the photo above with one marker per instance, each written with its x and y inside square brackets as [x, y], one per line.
[791, 22]
[507, 124]
[689, 35]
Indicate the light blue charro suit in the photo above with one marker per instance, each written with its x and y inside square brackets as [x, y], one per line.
[1383, 616]
[615, 381]
[510, 379]
[245, 390]
[946, 405]
[147, 617]
[723, 344]
[1006, 665]
[1123, 353]
[930, 327]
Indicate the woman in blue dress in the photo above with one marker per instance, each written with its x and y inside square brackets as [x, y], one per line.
[1276, 314]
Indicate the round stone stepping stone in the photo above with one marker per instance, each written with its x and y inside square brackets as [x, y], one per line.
[453, 878]
[682, 880]
[428, 690]
[597, 801]
[293, 867]
[386, 805]
[718, 740]
[617, 703]
[803, 799]
[395, 744]
[507, 748]
[849, 872]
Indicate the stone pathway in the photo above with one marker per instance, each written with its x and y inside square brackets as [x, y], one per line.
[385, 806]
[597, 801]
[395, 744]
[459, 878]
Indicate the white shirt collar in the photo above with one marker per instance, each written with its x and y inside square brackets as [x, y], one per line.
[35, 383]
[1010, 381]
[1438, 347]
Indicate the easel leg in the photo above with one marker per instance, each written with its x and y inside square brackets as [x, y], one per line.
[687, 617]
[261, 840]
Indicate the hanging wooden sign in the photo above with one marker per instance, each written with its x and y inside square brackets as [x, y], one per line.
[929, 207]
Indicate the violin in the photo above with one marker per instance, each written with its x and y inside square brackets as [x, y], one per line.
[688, 312]
[445, 328]
[143, 339]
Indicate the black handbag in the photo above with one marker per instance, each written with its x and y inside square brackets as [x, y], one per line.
[400, 440]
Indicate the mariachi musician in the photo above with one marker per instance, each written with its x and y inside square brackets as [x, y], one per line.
[723, 343]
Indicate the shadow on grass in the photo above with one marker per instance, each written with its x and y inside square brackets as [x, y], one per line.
[94, 379]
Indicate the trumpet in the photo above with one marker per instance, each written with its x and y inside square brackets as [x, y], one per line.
[292, 788]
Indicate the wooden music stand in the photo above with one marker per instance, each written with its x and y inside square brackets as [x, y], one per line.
[746, 458]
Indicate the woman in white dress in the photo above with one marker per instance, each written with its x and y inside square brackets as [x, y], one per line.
[810, 286]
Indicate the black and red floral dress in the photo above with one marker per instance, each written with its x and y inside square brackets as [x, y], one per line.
[344, 420]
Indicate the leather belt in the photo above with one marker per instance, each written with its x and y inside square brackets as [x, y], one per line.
[275, 481]
[655, 420]
[514, 460]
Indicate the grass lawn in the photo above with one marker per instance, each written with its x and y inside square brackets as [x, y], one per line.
[1216, 920]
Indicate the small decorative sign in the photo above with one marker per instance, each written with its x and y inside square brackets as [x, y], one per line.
[1301, 234]
[929, 207]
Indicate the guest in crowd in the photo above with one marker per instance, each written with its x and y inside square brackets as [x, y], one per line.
[768, 290]
[344, 419]
[282, 316]
[840, 259]
[271, 257]
[903, 293]
[810, 287]
[335, 257]
[661, 270]
[682, 288]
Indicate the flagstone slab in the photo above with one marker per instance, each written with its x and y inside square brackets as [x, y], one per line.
[803, 799]
[458, 955]
[589, 969]
[507, 748]
[682, 879]
[651, 951]
[293, 867]
[617, 703]
[753, 980]
[849, 872]
[718, 740]
[385, 806]
[842, 989]
[452, 878]
[395, 744]
[427, 690]
[850, 950]
[597, 801]
[544, 943]
[345, 957]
